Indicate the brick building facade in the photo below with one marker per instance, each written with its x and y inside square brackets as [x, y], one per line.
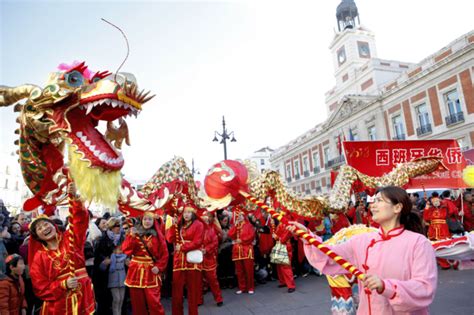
[377, 99]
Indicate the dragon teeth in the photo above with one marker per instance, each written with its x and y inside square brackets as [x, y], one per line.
[103, 157]
[89, 108]
[79, 134]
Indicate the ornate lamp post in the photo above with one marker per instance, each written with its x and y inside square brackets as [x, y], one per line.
[224, 137]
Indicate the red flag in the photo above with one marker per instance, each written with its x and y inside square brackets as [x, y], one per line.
[339, 144]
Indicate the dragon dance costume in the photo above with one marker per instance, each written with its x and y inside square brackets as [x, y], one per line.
[209, 264]
[190, 237]
[147, 251]
[285, 273]
[242, 254]
[49, 269]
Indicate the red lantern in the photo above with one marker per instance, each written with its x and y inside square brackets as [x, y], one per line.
[226, 177]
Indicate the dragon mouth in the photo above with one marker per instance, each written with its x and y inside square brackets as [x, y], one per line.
[90, 142]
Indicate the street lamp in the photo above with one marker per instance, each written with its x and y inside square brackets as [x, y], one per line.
[194, 170]
[224, 137]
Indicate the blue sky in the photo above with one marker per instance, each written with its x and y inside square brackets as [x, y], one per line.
[265, 65]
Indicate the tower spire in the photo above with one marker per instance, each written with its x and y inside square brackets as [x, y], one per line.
[346, 14]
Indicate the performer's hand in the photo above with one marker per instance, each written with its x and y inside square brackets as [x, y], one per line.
[177, 247]
[71, 189]
[127, 262]
[106, 261]
[174, 220]
[238, 241]
[155, 270]
[71, 283]
[274, 236]
[132, 231]
[373, 282]
[293, 226]
[203, 251]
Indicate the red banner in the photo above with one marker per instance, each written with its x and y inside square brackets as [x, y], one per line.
[375, 158]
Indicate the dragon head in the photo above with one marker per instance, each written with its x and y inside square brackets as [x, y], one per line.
[61, 120]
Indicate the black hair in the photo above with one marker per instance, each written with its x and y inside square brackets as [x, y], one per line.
[33, 232]
[410, 220]
[181, 222]
[434, 194]
[446, 194]
[12, 263]
[416, 195]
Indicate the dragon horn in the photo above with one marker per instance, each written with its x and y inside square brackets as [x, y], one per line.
[9, 96]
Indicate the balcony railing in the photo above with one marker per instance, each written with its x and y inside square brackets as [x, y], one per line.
[336, 161]
[454, 118]
[297, 176]
[316, 170]
[306, 173]
[423, 130]
[399, 137]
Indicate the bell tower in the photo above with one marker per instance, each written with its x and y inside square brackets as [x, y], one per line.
[353, 45]
[347, 15]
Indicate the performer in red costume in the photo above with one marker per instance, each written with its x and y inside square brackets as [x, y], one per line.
[186, 236]
[147, 247]
[243, 234]
[57, 263]
[435, 215]
[265, 240]
[209, 265]
[285, 273]
[339, 221]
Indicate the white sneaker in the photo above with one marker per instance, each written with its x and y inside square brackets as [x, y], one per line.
[251, 292]
[238, 292]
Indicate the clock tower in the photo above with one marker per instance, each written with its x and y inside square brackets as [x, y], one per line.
[353, 45]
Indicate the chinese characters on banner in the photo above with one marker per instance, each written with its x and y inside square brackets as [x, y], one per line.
[376, 158]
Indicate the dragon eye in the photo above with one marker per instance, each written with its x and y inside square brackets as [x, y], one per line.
[74, 78]
[95, 79]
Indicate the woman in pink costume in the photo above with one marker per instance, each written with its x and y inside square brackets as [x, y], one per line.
[398, 261]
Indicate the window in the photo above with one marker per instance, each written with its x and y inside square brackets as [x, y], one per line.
[462, 144]
[372, 133]
[355, 136]
[316, 161]
[451, 100]
[7, 170]
[305, 165]
[288, 171]
[6, 183]
[262, 162]
[341, 55]
[326, 155]
[297, 169]
[364, 51]
[398, 127]
[423, 119]
[422, 115]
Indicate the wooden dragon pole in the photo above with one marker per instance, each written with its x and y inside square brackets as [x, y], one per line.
[304, 235]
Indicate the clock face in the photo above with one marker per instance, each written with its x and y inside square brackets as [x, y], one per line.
[364, 50]
[341, 55]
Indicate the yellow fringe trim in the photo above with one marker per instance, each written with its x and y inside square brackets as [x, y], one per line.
[94, 184]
